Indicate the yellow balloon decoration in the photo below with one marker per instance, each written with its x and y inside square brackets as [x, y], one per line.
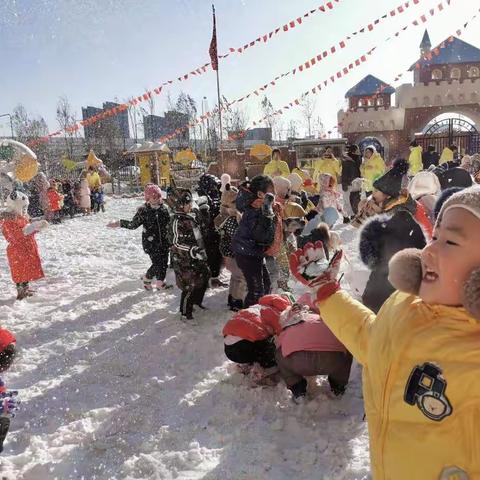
[26, 168]
[261, 151]
[93, 160]
[69, 164]
[185, 157]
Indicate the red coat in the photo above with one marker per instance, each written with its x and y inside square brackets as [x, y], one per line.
[54, 199]
[22, 251]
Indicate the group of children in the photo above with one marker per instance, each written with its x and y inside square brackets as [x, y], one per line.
[415, 332]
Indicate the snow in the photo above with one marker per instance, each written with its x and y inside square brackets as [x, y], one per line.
[114, 386]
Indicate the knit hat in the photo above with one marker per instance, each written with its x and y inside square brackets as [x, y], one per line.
[391, 182]
[282, 186]
[225, 180]
[229, 197]
[424, 183]
[405, 267]
[296, 182]
[152, 191]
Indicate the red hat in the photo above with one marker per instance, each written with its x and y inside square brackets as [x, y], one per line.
[6, 338]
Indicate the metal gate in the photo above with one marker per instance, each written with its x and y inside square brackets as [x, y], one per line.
[450, 131]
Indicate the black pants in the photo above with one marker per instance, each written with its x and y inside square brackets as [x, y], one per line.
[244, 351]
[256, 276]
[159, 265]
[190, 298]
[214, 257]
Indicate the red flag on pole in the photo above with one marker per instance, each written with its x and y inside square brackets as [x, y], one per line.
[213, 45]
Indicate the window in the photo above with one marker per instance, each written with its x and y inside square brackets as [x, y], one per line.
[437, 74]
[380, 101]
[474, 72]
[370, 102]
[360, 103]
[455, 73]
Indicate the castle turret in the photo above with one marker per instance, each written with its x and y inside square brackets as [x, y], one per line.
[426, 44]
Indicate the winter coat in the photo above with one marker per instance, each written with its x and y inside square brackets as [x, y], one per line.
[93, 179]
[84, 195]
[248, 324]
[54, 199]
[429, 159]
[227, 230]
[22, 250]
[311, 335]
[274, 166]
[380, 239]
[350, 171]
[415, 160]
[255, 232]
[6, 338]
[372, 169]
[326, 165]
[186, 238]
[447, 156]
[155, 222]
[407, 350]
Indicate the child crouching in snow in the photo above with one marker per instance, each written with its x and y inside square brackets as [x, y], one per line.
[189, 258]
[155, 219]
[22, 250]
[249, 334]
[421, 352]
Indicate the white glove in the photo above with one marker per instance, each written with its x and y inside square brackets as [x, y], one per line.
[34, 227]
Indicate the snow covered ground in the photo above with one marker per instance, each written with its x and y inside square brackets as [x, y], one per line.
[114, 386]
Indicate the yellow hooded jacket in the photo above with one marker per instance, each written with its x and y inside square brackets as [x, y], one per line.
[415, 160]
[371, 169]
[447, 156]
[326, 165]
[274, 166]
[421, 370]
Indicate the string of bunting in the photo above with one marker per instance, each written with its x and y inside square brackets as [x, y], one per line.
[202, 69]
[427, 57]
[339, 74]
[329, 5]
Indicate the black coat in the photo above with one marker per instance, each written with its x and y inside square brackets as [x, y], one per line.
[380, 239]
[155, 222]
[350, 170]
[255, 232]
[430, 158]
[453, 176]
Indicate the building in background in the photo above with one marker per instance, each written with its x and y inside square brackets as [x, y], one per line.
[91, 131]
[440, 108]
[119, 121]
[156, 126]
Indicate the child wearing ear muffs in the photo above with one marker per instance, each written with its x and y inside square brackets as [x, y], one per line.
[421, 352]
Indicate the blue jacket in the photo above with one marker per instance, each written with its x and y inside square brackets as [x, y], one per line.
[255, 232]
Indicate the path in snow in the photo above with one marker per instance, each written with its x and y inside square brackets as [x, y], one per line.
[114, 386]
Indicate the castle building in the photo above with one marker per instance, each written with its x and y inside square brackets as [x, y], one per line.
[441, 107]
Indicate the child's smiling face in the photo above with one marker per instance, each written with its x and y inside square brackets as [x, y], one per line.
[450, 258]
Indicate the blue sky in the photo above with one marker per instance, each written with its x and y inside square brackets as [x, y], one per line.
[95, 50]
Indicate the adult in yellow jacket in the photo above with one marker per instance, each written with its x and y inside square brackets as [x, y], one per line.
[448, 154]
[327, 164]
[372, 167]
[276, 167]
[415, 159]
[421, 353]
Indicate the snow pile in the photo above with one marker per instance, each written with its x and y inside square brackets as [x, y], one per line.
[114, 386]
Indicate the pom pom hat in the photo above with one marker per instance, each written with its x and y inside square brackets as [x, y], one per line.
[152, 191]
[391, 182]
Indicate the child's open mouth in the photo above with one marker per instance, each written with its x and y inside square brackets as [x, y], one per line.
[429, 276]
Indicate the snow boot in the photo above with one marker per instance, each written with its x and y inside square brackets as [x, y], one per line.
[4, 427]
[22, 292]
[147, 284]
[161, 285]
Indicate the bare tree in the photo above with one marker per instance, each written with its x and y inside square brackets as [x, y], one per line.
[28, 129]
[292, 129]
[268, 113]
[133, 117]
[66, 119]
[308, 105]
[234, 119]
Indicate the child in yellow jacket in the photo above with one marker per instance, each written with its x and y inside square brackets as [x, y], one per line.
[421, 352]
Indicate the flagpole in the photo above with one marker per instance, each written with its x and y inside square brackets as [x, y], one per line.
[218, 96]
